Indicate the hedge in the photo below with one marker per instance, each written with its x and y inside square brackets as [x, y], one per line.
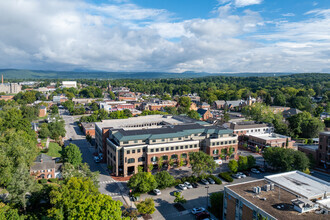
[216, 179]
[226, 176]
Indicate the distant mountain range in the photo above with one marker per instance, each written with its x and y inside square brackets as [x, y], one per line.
[41, 74]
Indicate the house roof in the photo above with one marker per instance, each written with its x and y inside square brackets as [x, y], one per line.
[220, 102]
[247, 125]
[43, 162]
[201, 111]
[234, 103]
[291, 111]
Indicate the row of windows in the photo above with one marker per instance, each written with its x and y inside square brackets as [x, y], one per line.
[162, 140]
[172, 148]
[132, 160]
[165, 157]
[223, 142]
[255, 130]
[43, 171]
[134, 151]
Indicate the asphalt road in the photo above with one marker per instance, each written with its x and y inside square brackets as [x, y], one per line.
[107, 184]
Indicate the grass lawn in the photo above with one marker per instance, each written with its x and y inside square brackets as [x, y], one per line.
[54, 150]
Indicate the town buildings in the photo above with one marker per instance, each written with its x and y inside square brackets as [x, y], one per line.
[88, 128]
[324, 150]
[138, 142]
[290, 195]
[59, 98]
[44, 167]
[69, 84]
[269, 140]
[10, 88]
[111, 106]
[157, 105]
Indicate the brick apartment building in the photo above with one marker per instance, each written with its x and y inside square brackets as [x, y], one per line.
[140, 141]
[324, 150]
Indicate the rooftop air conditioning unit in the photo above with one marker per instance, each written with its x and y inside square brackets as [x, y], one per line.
[272, 186]
[267, 187]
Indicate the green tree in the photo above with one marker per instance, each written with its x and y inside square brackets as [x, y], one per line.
[201, 163]
[9, 213]
[251, 161]
[216, 200]
[112, 95]
[193, 114]
[179, 198]
[160, 163]
[57, 129]
[268, 99]
[233, 166]
[142, 182]
[304, 125]
[184, 102]
[78, 198]
[44, 131]
[54, 109]
[82, 171]
[164, 179]
[146, 207]
[279, 98]
[243, 163]
[21, 184]
[72, 155]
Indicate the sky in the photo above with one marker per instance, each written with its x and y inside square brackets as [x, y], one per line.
[215, 36]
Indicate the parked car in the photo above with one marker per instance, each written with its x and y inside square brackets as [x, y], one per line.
[182, 186]
[241, 174]
[202, 215]
[197, 210]
[188, 185]
[246, 173]
[254, 170]
[195, 185]
[237, 176]
[205, 182]
[211, 180]
[157, 192]
[97, 159]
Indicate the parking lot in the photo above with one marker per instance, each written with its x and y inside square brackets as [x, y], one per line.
[196, 197]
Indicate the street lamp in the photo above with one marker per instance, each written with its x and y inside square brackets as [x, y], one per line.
[207, 196]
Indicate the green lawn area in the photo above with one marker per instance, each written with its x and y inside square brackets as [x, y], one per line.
[54, 150]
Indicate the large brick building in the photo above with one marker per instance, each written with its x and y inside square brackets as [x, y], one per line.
[324, 150]
[141, 141]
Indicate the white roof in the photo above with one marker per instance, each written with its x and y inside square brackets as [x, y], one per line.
[302, 184]
[324, 202]
[267, 136]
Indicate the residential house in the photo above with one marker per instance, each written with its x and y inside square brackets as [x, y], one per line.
[43, 167]
[204, 113]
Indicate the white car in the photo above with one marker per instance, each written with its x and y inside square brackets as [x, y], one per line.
[205, 182]
[241, 174]
[182, 186]
[188, 185]
[237, 176]
[197, 210]
[157, 192]
[211, 180]
[254, 170]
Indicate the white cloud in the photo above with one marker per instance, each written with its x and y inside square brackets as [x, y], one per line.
[243, 3]
[65, 35]
[288, 14]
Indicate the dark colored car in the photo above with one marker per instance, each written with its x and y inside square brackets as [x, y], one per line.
[195, 185]
[202, 215]
[247, 173]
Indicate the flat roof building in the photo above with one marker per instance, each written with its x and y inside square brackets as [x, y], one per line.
[291, 195]
[141, 141]
[69, 84]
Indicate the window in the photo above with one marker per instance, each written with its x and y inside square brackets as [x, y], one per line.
[225, 142]
[218, 143]
[163, 140]
[184, 155]
[133, 151]
[186, 146]
[172, 148]
[153, 140]
[186, 137]
[174, 156]
[131, 160]
[181, 147]
[234, 141]
[154, 159]
[176, 148]
[138, 150]
[128, 152]
[125, 142]
[162, 149]
[141, 159]
[167, 148]
[165, 157]
[229, 142]
[221, 142]
[195, 145]
[151, 150]
[216, 151]
[251, 130]
[180, 139]
[190, 146]
[213, 144]
[157, 149]
[135, 141]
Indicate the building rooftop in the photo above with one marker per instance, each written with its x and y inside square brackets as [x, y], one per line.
[149, 119]
[278, 202]
[88, 125]
[313, 147]
[272, 136]
[43, 162]
[302, 184]
[247, 125]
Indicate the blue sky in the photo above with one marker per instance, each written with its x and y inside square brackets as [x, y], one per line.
[166, 35]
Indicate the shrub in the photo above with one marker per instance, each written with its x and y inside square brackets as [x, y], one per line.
[43, 181]
[52, 180]
[226, 176]
[216, 179]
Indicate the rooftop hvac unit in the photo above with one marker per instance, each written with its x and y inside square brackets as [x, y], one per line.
[267, 187]
[255, 189]
[272, 186]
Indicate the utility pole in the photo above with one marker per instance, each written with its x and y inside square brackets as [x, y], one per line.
[207, 196]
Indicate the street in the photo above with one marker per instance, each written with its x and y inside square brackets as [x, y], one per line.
[107, 184]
